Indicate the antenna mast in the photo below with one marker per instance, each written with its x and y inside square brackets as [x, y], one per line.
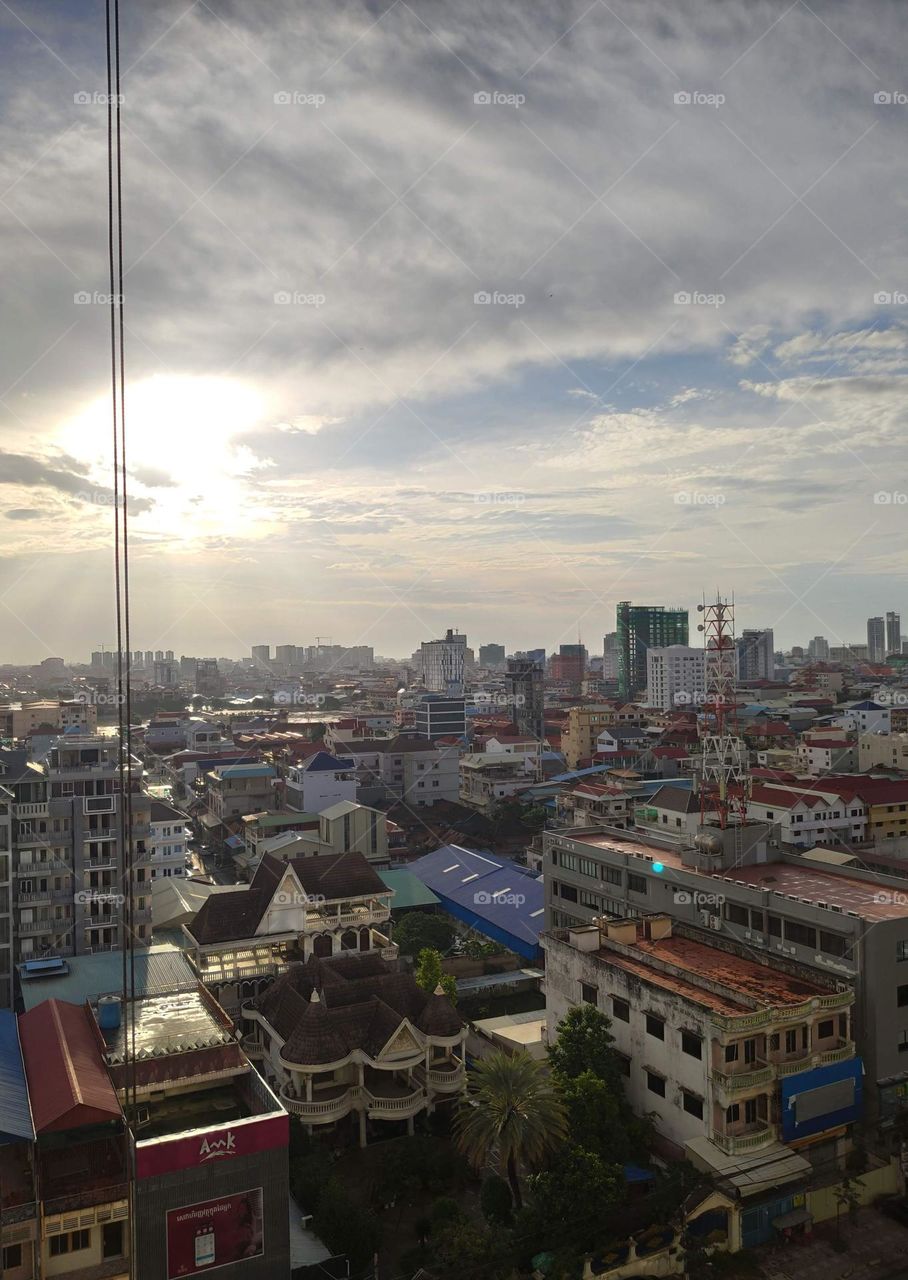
[724, 779]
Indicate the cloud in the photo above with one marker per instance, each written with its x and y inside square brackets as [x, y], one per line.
[23, 513]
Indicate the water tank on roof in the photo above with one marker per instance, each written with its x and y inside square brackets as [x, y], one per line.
[109, 1013]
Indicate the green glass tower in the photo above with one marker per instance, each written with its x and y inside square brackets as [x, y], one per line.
[641, 627]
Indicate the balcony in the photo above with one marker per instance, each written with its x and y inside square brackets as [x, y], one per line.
[34, 809]
[394, 1102]
[443, 1078]
[748, 1139]
[46, 895]
[330, 1105]
[42, 868]
[737, 1081]
[42, 926]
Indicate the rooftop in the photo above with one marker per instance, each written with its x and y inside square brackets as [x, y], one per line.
[67, 1080]
[157, 969]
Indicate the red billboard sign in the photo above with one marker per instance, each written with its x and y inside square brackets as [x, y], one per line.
[208, 1146]
[202, 1237]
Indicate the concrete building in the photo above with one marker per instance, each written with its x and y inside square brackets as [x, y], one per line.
[756, 655]
[487, 778]
[826, 751]
[675, 677]
[581, 732]
[443, 664]
[166, 841]
[492, 656]
[68, 860]
[348, 1039]
[321, 781]
[440, 717]
[886, 750]
[714, 1044]
[643, 627]
[261, 656]
[525, 690]
[865, 717]
[7, 914]
[818, 649]
[568, 665]
[610, 660]
[23, 720]
[876, 639]
[236, 789]
[893, 633]
[836, 920]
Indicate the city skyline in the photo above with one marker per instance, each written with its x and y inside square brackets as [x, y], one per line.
[678, 360]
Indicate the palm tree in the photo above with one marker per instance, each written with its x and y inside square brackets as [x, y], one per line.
[513, 1115]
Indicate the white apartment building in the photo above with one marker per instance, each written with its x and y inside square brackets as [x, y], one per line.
[167, 842]
[675, 676]
[809, 818]
[321, 781]
[886, 749]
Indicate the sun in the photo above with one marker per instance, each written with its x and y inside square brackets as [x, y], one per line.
[183, 450]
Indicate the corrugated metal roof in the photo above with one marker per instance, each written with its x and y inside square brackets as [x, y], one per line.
[157, 970]
[408, 889]
[68, 1082]
[15, 1112]
[496, 897]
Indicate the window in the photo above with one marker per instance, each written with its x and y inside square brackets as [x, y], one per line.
[624, 1064]
[611, 875]
[736, 914]
[621, 1010]
[774, 1040]
[731, 1053]
[637, 884]
[791, 1041]
[569, 893]
[655, 1026]
[750, 1050]
[903, 1042]
[655, 1084]
[802, 934]
[69, 1242]
[826, 1029]
[833, 943]
[12, 1256]
[732, 1113]
[902, 993]
[692, 1104]
[112, 1240]
[774, 924]
[588, 994]
[750, 1111]
[691, 1044]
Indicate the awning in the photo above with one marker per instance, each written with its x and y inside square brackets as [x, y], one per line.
[235, 842]
[209, 820]
[796, 1218]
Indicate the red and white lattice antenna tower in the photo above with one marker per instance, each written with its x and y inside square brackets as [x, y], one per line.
[723, 754]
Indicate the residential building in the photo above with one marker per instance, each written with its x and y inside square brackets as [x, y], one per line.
[569, 664]
[208, 681]
[81, 1158]
[285, 656]
[836, 920]
[487, 778]
[236, 789]
[580, 735]
[756, 655]
[18, 1198]
[166, 841]
[865, 717]
[675, 676]
[670, 813]
[440, 717]
[261, 656]
[346, 827]
[69, 865]
[587, 804]
[320, 781]
[882, 750]
[23, 720]
[166, 674]
[643, 627]
[443, 664]
[826, 751]
[876, 639]
[713, 1043]
[7, 913]
[525, 691]
[893, 633]
[808, 817]
[318, 906]
[352, 1044]
[491, 656]
[407, 767]
[818, 649]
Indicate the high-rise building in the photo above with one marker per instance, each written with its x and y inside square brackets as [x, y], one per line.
[491, 656]
[876, 639]
[440, 717]
[209, 683]
[168, 655]
[67, 850]
[525, 687]
[893, 633]
[261, 655]
[675, 677]
[639, 628]
[149, 658]
[285, 655]
[534, 655]
[610, 656]
[569, 663]
[97, 658]
[443, 664]
[756, 655]
[818, 649]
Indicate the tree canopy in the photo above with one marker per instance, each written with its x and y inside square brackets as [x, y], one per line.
[419, 930]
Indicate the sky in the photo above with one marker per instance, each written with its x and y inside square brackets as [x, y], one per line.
[474, 316]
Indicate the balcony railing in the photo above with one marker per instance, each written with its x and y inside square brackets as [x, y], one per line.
[356, 1098]
[736, 1143]
[733, 1083]
[42, 926]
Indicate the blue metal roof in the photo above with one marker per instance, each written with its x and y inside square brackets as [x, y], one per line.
[499, 899]
[15, 1111]
[323, 761]
[246, 771]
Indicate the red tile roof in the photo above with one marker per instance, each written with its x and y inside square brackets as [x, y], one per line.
[67, 1078]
